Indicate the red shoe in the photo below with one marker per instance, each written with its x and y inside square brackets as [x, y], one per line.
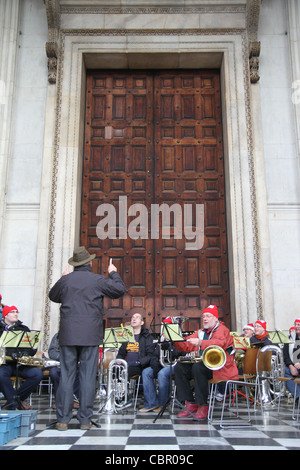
[192, 407]
[202, 412]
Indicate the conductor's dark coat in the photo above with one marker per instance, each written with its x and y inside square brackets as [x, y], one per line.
[80, 294]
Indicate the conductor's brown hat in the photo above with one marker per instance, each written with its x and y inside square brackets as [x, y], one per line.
[80, 256]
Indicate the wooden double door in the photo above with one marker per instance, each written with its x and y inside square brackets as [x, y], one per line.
[153, 142]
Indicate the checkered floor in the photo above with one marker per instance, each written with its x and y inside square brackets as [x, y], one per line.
[130, 431]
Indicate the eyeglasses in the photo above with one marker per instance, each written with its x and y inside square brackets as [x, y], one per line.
[207, 315]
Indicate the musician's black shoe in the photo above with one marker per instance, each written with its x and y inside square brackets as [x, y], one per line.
[10, 406]
[20, 405]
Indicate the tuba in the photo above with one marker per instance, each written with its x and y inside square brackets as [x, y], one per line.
[117, 386]
[271, 389]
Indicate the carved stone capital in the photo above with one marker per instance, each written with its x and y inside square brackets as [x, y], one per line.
[52, 48]
[253, 12]
[254, 52]
[52, 54]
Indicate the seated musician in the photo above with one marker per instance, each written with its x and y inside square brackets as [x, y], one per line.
[248, 330]
[291, 358]
[1, 307]
[142, 359]
[261, 336]
[213, 332]
[31, 374]
[54, 372]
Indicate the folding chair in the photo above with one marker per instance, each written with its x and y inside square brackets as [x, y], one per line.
[296, 382]
[134, 384]
[232, 390]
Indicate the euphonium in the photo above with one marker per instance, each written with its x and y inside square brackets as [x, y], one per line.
[117, 385]
[165, 359]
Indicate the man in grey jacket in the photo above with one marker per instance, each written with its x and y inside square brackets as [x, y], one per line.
[80, 294]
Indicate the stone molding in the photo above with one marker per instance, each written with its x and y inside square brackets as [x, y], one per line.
[138, 10]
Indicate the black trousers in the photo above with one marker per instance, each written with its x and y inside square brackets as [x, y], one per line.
[184, 373]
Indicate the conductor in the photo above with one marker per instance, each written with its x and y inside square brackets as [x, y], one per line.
[80, 294]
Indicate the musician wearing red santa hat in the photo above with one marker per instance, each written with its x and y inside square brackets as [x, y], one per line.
[213, 333]
[248, 330]
[31, 375]
[291, 358]
[261, 336]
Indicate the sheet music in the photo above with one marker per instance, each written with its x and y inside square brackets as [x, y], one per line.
[172, 331]
[279, 337]
[11, 339]
[20, 339]
[113, 337]
[30, 339]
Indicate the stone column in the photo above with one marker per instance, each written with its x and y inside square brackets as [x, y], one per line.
[294, 35]
[9, 20]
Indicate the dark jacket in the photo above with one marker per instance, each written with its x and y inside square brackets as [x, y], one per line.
[53, 351]
[17, 326]
[80, 294]
[288, 350]
[148, 356]
[260, 342]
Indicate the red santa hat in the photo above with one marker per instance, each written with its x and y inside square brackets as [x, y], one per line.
[249, 326]
[297, 320]
[8, 309]
[262, 323]
[167, 320]
[211, 309]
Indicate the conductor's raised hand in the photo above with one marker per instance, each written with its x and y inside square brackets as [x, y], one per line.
[111, 266]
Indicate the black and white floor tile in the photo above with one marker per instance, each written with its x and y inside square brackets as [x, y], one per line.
[137, 432]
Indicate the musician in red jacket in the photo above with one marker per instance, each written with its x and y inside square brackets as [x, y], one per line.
[213, 333]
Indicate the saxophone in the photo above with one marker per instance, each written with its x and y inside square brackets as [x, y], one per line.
[30, 361]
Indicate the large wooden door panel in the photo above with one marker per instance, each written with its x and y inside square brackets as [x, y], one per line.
[117, 161]
[189, 170]
[156, 138]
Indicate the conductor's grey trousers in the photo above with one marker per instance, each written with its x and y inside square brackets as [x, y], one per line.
[85, 359]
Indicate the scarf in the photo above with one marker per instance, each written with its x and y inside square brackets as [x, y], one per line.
[263, 336]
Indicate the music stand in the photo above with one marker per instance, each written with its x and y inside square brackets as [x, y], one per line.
[17, 343]
[278, 337]
[115, 336]
[173, 334]
[11, 340]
